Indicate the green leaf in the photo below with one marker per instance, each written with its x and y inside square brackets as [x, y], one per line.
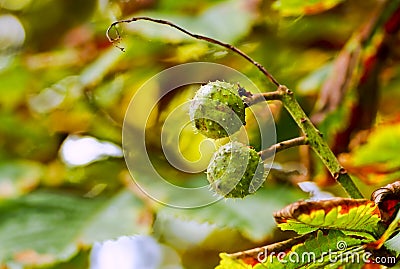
[117, 216]
[19, 177]
[330, 249]
[27, 137]
[304, 7]
[350, 215]
[394, 244]
[252, 216]
[52, 227]
[376, 161]
[13, 85]
[382, 147]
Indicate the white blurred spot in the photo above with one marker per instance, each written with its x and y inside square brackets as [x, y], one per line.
[12, 36]
[135, 252]
[83, 150]
[314, 191]
[12, 33]
[182, 234]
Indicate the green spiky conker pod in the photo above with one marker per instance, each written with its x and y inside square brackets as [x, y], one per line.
[235, 170]
[217, 110]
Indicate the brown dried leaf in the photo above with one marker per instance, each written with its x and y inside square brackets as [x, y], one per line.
[339, 80]
[388, 200]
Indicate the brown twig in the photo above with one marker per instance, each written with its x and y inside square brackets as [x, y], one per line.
[262, 97]
[269, 152]
[196, 36]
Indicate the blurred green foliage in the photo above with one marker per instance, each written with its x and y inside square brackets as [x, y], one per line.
[59, 76]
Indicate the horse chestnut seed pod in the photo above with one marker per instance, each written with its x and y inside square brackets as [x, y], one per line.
[235, 170]
[217, 109]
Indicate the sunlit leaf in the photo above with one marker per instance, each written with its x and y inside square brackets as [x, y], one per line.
[376, 161]
[185, 148]
[191, 51]
[306, 7]
[13, 85]
[344, 214]
[108, 93]
[229, 263]
[14, 5]
[382, 147]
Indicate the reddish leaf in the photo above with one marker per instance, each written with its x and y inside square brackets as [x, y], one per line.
[345, 214]
[388, 200]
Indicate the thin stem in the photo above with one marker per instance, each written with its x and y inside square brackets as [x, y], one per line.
[317, 143]
[196, 36]
[269, 152]
[261, 97]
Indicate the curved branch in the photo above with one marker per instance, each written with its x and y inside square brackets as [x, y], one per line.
[196, 36]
